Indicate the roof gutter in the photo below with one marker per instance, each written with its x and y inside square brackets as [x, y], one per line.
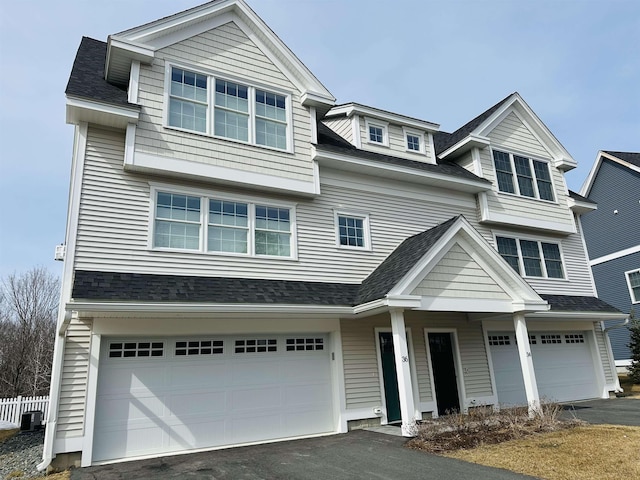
[618, 325]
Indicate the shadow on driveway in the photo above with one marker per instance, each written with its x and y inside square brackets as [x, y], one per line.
[357, 455]
[614, 411]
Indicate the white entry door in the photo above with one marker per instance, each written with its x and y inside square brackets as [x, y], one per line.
[562, 361]
[160, 395]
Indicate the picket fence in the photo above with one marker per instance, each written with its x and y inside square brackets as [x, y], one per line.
[11, 409]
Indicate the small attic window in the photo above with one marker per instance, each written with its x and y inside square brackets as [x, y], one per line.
[377, 132]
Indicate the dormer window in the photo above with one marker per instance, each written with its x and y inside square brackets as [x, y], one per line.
[532, 176]
[377, 132]
[234, 111]
[414, 141]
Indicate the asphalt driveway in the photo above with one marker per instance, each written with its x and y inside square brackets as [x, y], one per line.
[357, 455]
[613, 411]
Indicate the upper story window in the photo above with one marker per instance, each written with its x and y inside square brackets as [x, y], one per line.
[377, 132]
[414, 141]
[234, 111]
[633, 281]
[352, 230]
[532, 177]
[534, 258]
[217, 225]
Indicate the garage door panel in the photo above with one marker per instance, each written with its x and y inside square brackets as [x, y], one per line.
[171, 403]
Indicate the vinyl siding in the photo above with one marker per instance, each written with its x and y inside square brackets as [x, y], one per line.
[73, 387]
[614, 188]
[604, 356]
[114, 223]
[225, 50]
[343, 126]
[513, 136]
[458, 275]
[397, 143]
[362, 379]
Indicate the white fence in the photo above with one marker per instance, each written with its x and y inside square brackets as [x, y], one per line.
[11, 409]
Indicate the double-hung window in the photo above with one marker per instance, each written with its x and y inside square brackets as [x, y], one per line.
[633, 281]
[222, 226]
[523, 176]
[234, 110]
[532, 258]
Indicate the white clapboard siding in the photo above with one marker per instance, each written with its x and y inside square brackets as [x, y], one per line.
[397, 143]
[513, 134]
[342, 126]
[224, 50]
[73, 387]
[458, 275]
[609, 374]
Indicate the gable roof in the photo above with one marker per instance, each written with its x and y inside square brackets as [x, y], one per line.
[399, 262]
[630, 160]
[87, 76]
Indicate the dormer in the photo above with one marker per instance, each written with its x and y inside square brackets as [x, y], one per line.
[384, 132]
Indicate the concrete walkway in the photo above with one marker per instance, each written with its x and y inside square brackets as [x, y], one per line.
[357, 455]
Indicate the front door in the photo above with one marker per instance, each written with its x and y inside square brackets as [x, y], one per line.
[390, 377]
[444, 372]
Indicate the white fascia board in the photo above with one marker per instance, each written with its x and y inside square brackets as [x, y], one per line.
[586, 186]
[318, 100]
[514, 221]
[390, 301]
[195, 308]
[456, 304]
[134, 50]
[555, 315]
[404, 173]
[81, 110]
[183, 168]
[580, 207]
[350, 109]
[466, 144]
[614, 255]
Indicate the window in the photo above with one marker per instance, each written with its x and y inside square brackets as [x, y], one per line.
[135, 349]
[535, 258]
[304, 344]
[235, 111]
[550, 339]
[633, 280]
[532, 176]
[377, 132]
[495, 340]
[574, 338]
[413, 142]
[199, 347]
[232, 227]
[256, 346]
[352, 230]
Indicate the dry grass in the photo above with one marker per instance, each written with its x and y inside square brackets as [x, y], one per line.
[66, 475]
[583, 453]
[630, 389]
[7, 434]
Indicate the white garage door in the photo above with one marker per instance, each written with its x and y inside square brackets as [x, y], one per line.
[562, 361]
[167, 395]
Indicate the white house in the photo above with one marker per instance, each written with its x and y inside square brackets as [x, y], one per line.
[247, 261]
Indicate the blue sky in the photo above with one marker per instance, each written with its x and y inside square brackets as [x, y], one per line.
[576, 63]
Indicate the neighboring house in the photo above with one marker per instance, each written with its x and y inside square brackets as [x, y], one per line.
[612, 234]
[247, 261]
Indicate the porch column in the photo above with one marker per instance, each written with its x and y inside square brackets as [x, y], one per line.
[405, 388]
[526, 364]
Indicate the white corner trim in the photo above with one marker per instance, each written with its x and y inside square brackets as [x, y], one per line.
[313, 119]
[153, 163]
[477, 162]
[134, 79]
[129, 144]
[90, 403]
[615, 255]
[355, 131]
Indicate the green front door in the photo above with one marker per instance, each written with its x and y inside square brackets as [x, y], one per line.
[390, 377]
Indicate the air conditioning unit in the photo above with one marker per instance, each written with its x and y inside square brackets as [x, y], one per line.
[60, 251]
[31, 421]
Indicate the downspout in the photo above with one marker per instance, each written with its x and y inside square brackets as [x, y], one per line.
[605, 331]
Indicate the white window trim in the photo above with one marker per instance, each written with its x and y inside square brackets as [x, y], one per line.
[204, 221]
[539, 240]
[406, 131]
[369, 122]
[516, 186]
[365, 225]
[627, 275]
[251, 85]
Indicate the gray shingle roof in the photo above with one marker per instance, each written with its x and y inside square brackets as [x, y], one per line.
[137, 287]
[445, 140]
[330, 141]
[572, 303]
[399, 262]
[629, 157]
[87, 76]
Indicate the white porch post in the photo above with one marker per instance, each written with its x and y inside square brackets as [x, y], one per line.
[403, 370]
[526, 363]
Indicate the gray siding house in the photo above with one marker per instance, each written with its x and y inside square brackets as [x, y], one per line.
[612, 234]
[248, 261]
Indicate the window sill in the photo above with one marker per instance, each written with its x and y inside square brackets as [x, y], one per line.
[354, 249]
[220, 254]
